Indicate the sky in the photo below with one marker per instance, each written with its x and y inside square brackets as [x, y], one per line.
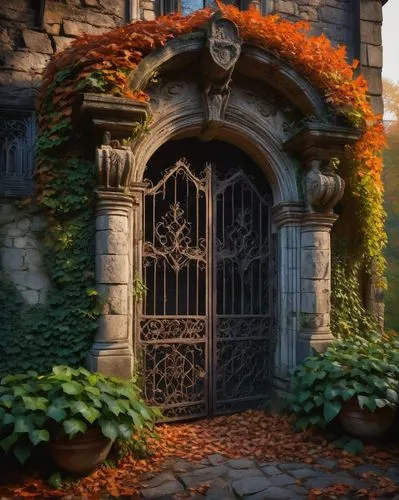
[390, 40]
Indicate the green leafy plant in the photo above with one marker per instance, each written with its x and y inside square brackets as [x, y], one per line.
[139, 289]
[39, 408]
[353, 367]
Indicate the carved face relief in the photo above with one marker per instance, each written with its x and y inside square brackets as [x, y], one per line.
[224, 43]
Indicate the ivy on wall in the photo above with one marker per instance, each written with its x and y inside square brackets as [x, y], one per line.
[62, 331]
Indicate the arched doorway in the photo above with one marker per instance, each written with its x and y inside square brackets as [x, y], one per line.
[206, 323]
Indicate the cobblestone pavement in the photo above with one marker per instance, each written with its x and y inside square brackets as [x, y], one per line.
[218, 478]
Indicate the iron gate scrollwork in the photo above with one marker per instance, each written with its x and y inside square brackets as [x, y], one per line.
[205, 328]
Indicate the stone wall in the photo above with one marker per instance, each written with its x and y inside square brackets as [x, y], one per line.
[335, 18]
[21, 259]
[354, 23]
[27, 42]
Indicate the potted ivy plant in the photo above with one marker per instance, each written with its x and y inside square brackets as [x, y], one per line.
[356, 380]
[78, 414]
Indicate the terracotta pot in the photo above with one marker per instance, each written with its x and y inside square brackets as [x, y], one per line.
[83, 453]
[362, 422]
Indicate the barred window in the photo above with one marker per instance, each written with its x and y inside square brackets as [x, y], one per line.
[17, 152]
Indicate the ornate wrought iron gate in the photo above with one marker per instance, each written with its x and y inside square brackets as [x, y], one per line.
[205, 328]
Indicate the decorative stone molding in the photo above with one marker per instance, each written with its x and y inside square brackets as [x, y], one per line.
[323, 190]
[223, 50]
[114, 163]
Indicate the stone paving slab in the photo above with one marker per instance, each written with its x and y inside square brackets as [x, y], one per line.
[247, 479]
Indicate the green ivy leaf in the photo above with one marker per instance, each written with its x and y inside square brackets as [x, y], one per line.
[72, 426]
[109, 429]
[72, 388]
[39, 435]
[22, 424]
[56, 413]
[8, 441]
[22, 453]
[354, 446]
[331, 410]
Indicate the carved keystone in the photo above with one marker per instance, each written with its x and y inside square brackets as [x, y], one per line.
[114, 163]
[224, 49]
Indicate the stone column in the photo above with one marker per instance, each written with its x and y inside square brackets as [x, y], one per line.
[323, 189]
[315, 333]
[111, 353]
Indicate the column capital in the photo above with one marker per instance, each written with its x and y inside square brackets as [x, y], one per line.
[318, 221]
[114, 203]
[288, 213]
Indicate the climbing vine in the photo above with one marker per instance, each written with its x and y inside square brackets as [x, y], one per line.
[62, 331]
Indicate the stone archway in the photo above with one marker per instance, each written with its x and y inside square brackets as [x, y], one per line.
[247, 100]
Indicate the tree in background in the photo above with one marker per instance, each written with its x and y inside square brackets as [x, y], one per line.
[391, 182]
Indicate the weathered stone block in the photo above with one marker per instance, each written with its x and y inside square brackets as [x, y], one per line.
[112, 328]
[26, 61]
[115, 298]
[35, 281]
[52, 29]
[335, 16]
[26, 242]
[24, 224]
[17, 11]
[370, 32]
[113, 269]
[76, 28]
[31, 297]
[91, 3]
[315, 264]
[287, 7]
[315, 302]
[148, 15]
[374, 55]
[313, 239]
[316, 286]
[112, 222]
[371, 10]
[37, 42]
[33, 260]
[62, 42]
[12, 259]
[115, 8]
[111, 242]
[111, 362]
[147, 5]
[310, 321]
[373, 77]
[98, 19]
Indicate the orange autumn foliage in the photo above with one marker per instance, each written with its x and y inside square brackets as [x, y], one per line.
[102, 63]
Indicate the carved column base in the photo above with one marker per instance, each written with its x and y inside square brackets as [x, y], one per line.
[313, 343]
[111, 361]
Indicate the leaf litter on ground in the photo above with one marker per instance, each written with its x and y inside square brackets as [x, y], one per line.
[254, 433]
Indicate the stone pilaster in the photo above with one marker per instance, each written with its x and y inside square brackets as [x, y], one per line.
[315, 333]
[287, 218]
[111, 353]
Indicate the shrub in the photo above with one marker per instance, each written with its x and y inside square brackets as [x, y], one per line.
[39, 408]
[365, 368]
